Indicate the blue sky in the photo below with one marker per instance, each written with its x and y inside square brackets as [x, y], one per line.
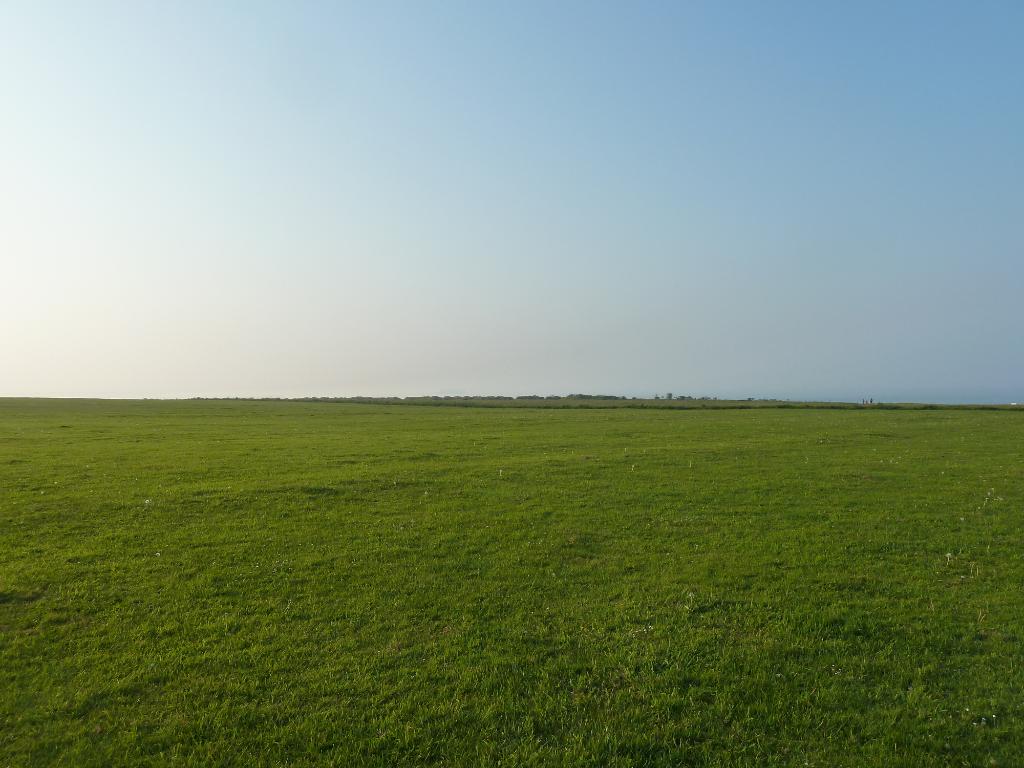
[816, 200]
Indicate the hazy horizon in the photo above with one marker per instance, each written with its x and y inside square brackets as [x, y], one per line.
[802, 201]
[984, 400]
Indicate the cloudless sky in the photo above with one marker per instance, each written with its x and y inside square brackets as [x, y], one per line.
[792, 199]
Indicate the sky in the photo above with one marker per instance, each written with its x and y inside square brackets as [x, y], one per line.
[816, 200]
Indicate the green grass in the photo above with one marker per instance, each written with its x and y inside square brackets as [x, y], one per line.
[284, 583]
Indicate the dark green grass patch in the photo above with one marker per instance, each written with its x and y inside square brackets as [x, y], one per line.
[261, 583]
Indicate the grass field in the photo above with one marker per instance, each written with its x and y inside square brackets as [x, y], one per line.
[283, 583]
